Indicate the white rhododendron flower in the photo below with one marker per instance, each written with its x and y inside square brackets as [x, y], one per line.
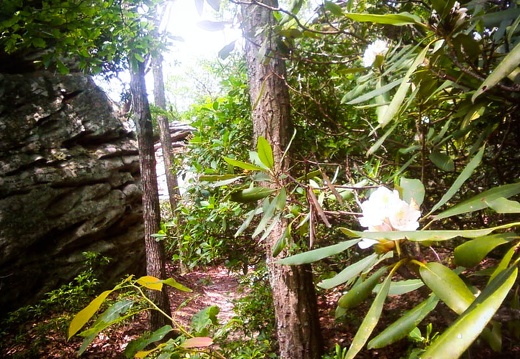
[385, 211]
[378, 47]
[405, 217]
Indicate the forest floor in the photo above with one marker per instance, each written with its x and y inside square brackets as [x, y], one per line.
[217, 286]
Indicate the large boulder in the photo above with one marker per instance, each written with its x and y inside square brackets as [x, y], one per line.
[69, 183]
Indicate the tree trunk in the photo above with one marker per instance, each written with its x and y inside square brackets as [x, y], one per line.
[294, 297]
[166, 143]
[164, 131]
[151, 212]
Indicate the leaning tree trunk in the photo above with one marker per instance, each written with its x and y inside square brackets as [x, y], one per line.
[155, 258]
[164, 131]
[294, 297]
[166, 143]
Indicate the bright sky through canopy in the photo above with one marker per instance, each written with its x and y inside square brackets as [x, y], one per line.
[182, 22]
[192, 43]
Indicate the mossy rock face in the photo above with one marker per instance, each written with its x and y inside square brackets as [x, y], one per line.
[69, 183]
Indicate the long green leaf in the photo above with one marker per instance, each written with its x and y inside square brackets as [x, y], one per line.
[113, 315]
[404, 325]
[223, 181]
[470, 253]
[374, 93]
[370, 321]
[459, 336]
[503, 205]
[381, 140]
[402, 287]
[266, 217]
[387, 19]
[174, 284]
[442, 161]
[265, 152]
[281, 243]
[447, 286]
[317, 254]
[349, 272]
[281, 199]
[142, 342]
[504, 68]
[481, 201]
[464, 175]
[360, 291]
[504, 262]
[400, 95]
[86, 313]
[423, 236]
[274, 222]
[215, 178]
[250, 215]
[250, 195]
[243, 165]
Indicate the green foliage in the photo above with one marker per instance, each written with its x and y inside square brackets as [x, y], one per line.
[253, 322]
[415, 117]
[203, 321]
[395, 248]
[94, 36]
[209, 222]
[133, 300]
[441, 280]
[52, 314]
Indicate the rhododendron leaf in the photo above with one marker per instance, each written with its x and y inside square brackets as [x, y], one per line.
[412, 189]
[349, 272]
[508, 64]
[427, 236]
[470, 253]
[400, 19]
[265, 152]
[360, 291]
[504, 205]
[370, 320]
[243, 165]
[482, 200]
[464, 175]
[404, 325]
[447, 286]
[317, 254]
[504, 262]
[442, 161]
[402, 286]
[471, 323]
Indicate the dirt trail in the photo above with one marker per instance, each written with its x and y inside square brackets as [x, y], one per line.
[213, 286]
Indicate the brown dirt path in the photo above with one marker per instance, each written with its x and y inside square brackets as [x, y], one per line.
[212, 286]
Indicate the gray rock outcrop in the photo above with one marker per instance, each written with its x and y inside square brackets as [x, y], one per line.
[69, 183]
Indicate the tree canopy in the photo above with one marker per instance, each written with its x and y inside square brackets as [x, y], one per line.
[90, 36]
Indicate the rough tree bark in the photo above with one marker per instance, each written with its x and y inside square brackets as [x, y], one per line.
[164, 129]
[166, 142]
[155, 257]
[294, 297]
